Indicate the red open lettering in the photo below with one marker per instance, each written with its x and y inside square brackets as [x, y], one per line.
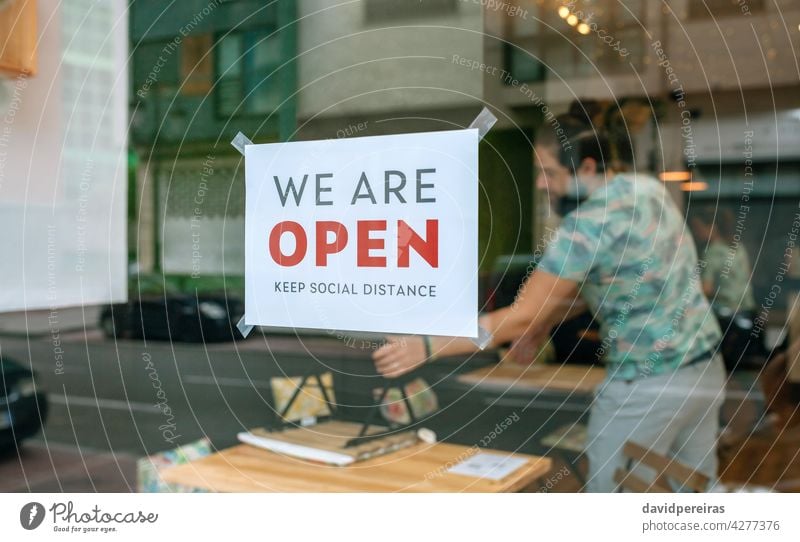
[323, 246]
[407, 239]
[300, 248]
[367, 245]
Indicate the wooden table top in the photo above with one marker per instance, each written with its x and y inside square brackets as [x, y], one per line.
[508, 375]
[420, 468]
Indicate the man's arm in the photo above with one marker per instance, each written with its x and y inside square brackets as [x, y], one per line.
[543, 300]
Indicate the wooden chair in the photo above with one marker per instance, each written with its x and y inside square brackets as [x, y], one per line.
[793, 353]
[568, 443]
[666, 469]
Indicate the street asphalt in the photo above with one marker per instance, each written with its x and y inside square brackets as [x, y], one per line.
[136, 397]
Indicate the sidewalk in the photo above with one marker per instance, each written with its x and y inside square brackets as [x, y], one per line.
[58, 468]
[39, 322]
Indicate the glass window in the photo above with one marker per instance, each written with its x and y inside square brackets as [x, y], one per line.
[197, 64]
[389, 10]
[248, 84]
[263, 90]
[524, 66]
[630, 13]
[608, 33]
[721, 8]
[230, 48]
[229, 69]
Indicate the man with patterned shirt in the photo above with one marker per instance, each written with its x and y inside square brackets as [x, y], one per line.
[625, 251]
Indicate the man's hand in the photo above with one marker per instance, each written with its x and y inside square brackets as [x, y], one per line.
[400, 355]
[523, 350]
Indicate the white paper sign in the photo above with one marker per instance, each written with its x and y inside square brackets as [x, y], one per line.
[375, 234]
[489, 466]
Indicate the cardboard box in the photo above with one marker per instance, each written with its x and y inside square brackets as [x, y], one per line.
[18, 35]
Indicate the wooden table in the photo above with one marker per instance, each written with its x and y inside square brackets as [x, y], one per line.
[420, 468]
[508, 375]
[529, 387]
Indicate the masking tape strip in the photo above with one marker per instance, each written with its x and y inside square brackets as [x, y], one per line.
[243, 328]
[239, 143]
[483, 122]
[484, 339]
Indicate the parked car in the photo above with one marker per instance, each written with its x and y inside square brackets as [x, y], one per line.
[576, 340]
[172, 315]
[23, 409]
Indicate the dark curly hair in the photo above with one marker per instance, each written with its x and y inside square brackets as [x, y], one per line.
[583, 133]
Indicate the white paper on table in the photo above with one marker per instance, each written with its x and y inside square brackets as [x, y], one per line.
[489, 466]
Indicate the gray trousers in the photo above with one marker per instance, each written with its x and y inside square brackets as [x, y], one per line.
[674, 414]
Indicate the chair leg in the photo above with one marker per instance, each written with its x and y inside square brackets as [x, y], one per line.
[628, 468]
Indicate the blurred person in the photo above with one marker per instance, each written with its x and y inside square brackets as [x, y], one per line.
[621, 120]
[587, 111]
[534, 344]
[727, 271]
[556, 193]
[726, 280]
[625, 251]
